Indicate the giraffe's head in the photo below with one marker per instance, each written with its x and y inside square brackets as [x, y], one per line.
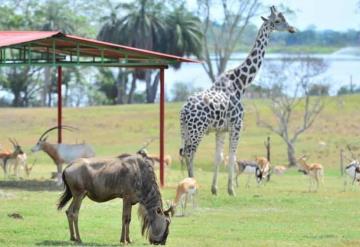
[278, 21]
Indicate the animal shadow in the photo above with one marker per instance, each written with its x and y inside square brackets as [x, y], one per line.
[30, 185]
[69, 243]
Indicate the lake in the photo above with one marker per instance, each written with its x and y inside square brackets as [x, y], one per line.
[343, 64]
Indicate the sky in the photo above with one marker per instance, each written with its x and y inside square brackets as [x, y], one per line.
[339, 15]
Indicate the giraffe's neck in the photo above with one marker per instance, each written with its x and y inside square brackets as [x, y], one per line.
[243, 75]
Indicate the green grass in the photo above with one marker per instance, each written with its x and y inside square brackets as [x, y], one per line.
[281, 213]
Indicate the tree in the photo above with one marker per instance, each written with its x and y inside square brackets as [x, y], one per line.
[289, 125]
[221, 38]
[318, 89]
[182, 91]
[147, 25]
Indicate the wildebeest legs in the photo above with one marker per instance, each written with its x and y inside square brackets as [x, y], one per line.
[126, 218]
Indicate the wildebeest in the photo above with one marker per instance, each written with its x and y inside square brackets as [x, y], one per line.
[130, 177]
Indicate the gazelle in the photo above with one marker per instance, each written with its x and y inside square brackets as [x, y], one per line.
[315, 171]
[248, 167]
[279, 170]
[265, 167]
[6, 157]
[185, 191]
[353, 172]
[62, 153]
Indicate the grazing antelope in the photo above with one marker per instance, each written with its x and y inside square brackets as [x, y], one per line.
[265, 167]
[185, 191]
[6, 157]
[130, 177]
[279, 170]
[62, 153]
[248, 167]
[353, 171]
[315, 171]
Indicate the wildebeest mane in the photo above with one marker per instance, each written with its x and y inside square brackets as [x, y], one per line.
[150, 197]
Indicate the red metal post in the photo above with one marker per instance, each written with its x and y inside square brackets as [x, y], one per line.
[162, 126]
[59, 105]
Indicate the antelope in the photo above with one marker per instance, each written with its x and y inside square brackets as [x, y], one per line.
[62, 153]
[265, 167]
[279, 170]
[248, 167]
[156, 158]
[353, 171]
[7, 157]
[186, 190]
[315, 171]
[130, 177]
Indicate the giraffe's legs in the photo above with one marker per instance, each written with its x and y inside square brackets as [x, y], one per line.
[234, 139]
[219, 157]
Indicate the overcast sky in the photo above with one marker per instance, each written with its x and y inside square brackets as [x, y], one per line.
[339, 15]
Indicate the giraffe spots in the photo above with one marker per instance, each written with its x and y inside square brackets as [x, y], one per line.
[250, 79]
[237, 83]
[243, 78]
[259, 63]
[252, 70]
[248, 61]
[245, 69]
[258, 43]
[237, 72]
[255, 61]
[263, 53]
[254, 53]
[232, 77]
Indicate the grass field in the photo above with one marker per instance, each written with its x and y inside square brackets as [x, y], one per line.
[281, 213]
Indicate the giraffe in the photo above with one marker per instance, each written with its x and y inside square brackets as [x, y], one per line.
[219, 109]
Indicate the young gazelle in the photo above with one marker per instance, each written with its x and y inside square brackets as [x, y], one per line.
[265, 167]
[186, 190]
[315, 171]
[7, 157]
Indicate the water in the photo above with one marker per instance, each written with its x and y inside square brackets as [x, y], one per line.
[342, 65]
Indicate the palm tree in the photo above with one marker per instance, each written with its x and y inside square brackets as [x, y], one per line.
[145, 25]
[184, 36]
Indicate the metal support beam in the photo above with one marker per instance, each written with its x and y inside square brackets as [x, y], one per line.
[162, 125]
[59, 105]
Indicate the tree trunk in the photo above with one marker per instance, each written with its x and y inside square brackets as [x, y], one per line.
[46, 86]
[121, 87]
[151, 89]
[132, 90]
[291, 154]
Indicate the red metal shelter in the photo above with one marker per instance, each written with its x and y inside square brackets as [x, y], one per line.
[37, 48]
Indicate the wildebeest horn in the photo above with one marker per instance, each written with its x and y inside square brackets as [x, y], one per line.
[66, 127]
[170, 211]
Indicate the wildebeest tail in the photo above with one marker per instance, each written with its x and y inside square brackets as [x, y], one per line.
[66, 196]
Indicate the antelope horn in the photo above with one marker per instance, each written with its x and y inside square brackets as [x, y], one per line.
[147, 144]
[12, 142]
[353, 156]
[66, 127]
